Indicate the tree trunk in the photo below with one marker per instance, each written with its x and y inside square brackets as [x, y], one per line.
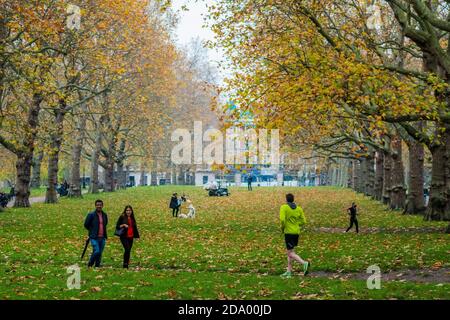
[173, 175]
[439, 203]
[94, 185]
[53, 156]
[378, 189]
[387, 178]
[370, 177]
[363, 176]
[339, 174]
[25, 157]
[181, 178]
[415, 203]
[121, 176]
[334, 177]
[355, 175]
[36, 172]
[350, 175]
[344, 174]
[109, 175]
[154, 173]
[127, 174]
[330, 173]
[75, 181]
[398, 191]
[360, 176]
[142, 178]
[23, 166]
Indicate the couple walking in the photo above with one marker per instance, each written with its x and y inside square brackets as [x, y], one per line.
[126, 228]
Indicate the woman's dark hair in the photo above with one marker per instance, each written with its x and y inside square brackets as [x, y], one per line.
[124, 213]
[290, 197]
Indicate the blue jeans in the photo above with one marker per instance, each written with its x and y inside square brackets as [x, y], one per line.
[97, 245]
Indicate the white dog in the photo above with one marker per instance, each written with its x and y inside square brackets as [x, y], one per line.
[191, 213]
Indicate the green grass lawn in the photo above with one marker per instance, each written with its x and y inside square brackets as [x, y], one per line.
[232, 250]
[38, 192]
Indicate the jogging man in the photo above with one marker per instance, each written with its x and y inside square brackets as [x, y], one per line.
[291, 219]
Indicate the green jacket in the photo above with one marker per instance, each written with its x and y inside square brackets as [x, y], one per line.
[291, 218]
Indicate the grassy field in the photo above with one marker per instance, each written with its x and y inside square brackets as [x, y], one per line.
[233, 250]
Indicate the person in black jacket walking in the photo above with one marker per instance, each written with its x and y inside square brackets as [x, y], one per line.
[96, 223]
[175, 204]
[353, 220]
[249, 182]
[127, 222]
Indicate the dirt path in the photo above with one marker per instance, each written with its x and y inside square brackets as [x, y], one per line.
[32, 200]
[429, 275]
[437, 276]
[383, 230]
[36, 200]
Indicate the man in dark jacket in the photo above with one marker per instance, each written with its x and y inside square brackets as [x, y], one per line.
[249, 182]
[96, 223]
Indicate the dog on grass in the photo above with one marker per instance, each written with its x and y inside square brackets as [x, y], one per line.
[191, 213]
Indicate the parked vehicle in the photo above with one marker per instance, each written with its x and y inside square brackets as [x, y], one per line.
[215, 189]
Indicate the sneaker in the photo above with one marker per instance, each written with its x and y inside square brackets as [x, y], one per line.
[286, 275]
[306, 266]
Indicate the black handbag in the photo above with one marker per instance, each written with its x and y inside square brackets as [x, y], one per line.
[119, 232]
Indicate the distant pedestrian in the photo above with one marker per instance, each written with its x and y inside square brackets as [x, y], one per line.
[249, 182]
[175, 204]
[352, 211]
[96, 223]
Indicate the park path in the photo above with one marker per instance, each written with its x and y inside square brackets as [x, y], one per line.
[436, 275]
[36, 200]
[398, 230]
[32, 200]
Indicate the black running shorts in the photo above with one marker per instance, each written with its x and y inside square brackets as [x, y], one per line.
[291, 241]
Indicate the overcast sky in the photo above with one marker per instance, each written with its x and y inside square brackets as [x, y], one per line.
[191, 24]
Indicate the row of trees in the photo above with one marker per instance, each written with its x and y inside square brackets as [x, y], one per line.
[96, 81]
[358, 80]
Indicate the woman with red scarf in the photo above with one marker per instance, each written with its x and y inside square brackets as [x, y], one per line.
[127, 222]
